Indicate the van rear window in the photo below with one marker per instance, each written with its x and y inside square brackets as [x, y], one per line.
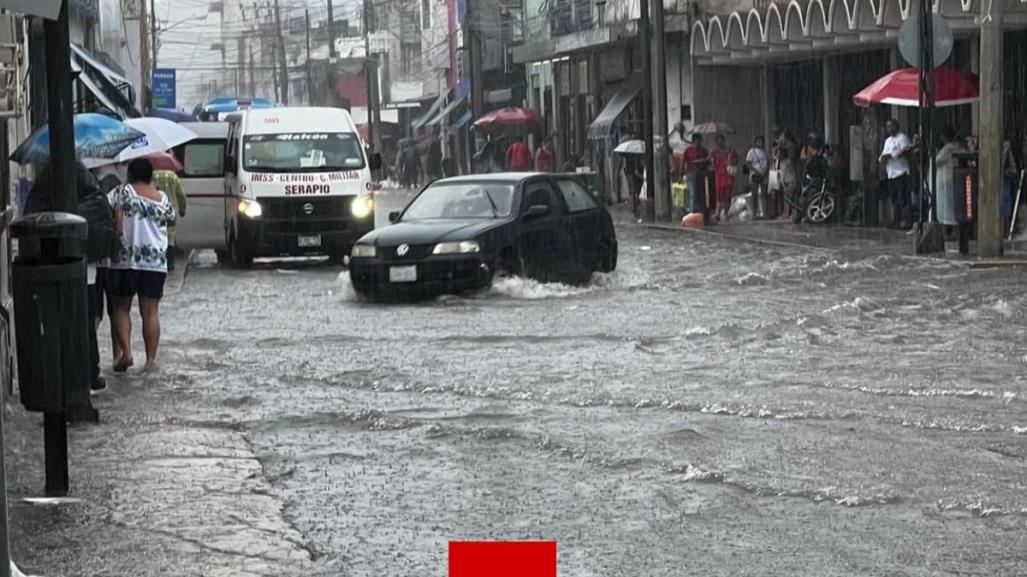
[203, 158]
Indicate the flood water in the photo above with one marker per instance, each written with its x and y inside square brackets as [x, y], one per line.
[711, 408]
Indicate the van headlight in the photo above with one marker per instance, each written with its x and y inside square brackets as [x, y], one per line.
[363, 251]
[250, 208]
[462, 247]
[362, 206]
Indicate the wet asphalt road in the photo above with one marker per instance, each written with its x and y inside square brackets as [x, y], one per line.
[712, 408]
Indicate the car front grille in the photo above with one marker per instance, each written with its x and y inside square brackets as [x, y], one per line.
[414, 252]
[306, 208]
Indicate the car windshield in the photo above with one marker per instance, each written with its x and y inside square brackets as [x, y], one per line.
[462, 200]
[302, 152]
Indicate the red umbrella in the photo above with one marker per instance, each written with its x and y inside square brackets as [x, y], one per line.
[511, 117]
[902, 88]
[164, 161]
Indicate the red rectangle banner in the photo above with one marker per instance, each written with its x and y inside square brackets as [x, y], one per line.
[502, 559]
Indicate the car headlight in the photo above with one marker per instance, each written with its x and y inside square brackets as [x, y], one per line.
[250, 208]
[462, 247]
[363, 251]
[362, 206]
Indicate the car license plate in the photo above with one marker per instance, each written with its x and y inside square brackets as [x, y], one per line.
[403, 273]
[309, 241]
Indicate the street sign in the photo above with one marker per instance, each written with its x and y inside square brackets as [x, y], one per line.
[48, 9]
[163, 93]
[909, 40]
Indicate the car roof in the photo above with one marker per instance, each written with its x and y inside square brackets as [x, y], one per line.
[207, 129]
[498, 177]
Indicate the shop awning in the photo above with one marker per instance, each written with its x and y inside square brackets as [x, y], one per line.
[432, 111]
[110, 88]
[442, 117]
[461, 122]
[603, 125]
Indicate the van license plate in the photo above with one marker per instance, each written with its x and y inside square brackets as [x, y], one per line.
[403, 273]
[309, 241]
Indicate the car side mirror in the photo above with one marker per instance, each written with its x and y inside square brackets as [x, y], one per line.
[374, 161]
[536, 211]
[394, 216]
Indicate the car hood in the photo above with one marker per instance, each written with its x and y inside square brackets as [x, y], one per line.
[420, 232]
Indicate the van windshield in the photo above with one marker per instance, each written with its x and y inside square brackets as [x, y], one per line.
[302, 152]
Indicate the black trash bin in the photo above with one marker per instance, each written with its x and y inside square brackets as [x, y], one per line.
[51, 311]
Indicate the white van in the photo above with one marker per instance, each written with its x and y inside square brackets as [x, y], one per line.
[299, 183]
[203, 181]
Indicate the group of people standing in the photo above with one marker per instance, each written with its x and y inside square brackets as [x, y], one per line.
[515, 157]
[127, 254]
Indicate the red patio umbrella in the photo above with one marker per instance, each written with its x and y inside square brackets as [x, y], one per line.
[902, 88]
[511, 117]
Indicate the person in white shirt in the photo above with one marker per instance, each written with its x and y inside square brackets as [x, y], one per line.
[757, 163]
[896, 164]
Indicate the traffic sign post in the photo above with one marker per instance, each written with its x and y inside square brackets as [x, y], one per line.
[163, 93]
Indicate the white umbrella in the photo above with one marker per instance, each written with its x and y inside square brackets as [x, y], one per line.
[631, 147]
[159, 135]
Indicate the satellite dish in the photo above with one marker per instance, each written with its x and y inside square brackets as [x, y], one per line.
[909, 40]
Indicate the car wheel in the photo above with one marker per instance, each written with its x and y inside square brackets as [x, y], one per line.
[508, 265]
[338, 257]
[241, 256]
[607, 261]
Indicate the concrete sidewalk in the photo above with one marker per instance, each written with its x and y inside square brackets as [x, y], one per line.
[160, 487]
[841, 238]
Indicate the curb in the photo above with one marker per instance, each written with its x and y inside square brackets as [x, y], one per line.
[969, 262]
[737, 237]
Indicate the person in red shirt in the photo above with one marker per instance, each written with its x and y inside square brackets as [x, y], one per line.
[518, 157]
[544, 156]
[696, 160]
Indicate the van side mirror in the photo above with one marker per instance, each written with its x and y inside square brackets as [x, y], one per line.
[394, 216]
[374, 161]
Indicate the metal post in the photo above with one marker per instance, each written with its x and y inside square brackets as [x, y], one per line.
[153, 35]
[144, 54]
[647, 104]
[989, 208]
[371, 76]
[62, 161]
[660, 191]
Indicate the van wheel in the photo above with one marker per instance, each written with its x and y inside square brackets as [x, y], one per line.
[338, 257]
[222, 256]
[241, 256]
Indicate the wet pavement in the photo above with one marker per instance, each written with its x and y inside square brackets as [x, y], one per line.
[711, 408]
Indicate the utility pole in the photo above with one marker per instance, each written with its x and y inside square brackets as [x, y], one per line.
[310, 82]
[153, 34]
[281, 48]
[474, 49]
[989, 162]
[648, 212]
[660, 191]
[371, 74]
[253, 77]
[144, 55]
[331, 32]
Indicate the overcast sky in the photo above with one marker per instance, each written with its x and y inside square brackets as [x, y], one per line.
[189, 29]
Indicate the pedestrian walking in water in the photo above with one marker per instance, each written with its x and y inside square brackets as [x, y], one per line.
[725, 166]
[695, 161]
[633, 174]
[143, 214]
[433, 163]
[168, 182]
[545, 156]
[945, 161]
[757, 164]
[411, 165]
[896, 166]
[518, 157]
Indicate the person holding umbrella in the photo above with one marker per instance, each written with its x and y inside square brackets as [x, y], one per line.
[695, 161]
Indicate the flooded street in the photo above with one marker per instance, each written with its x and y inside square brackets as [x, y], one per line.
[711, 408]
